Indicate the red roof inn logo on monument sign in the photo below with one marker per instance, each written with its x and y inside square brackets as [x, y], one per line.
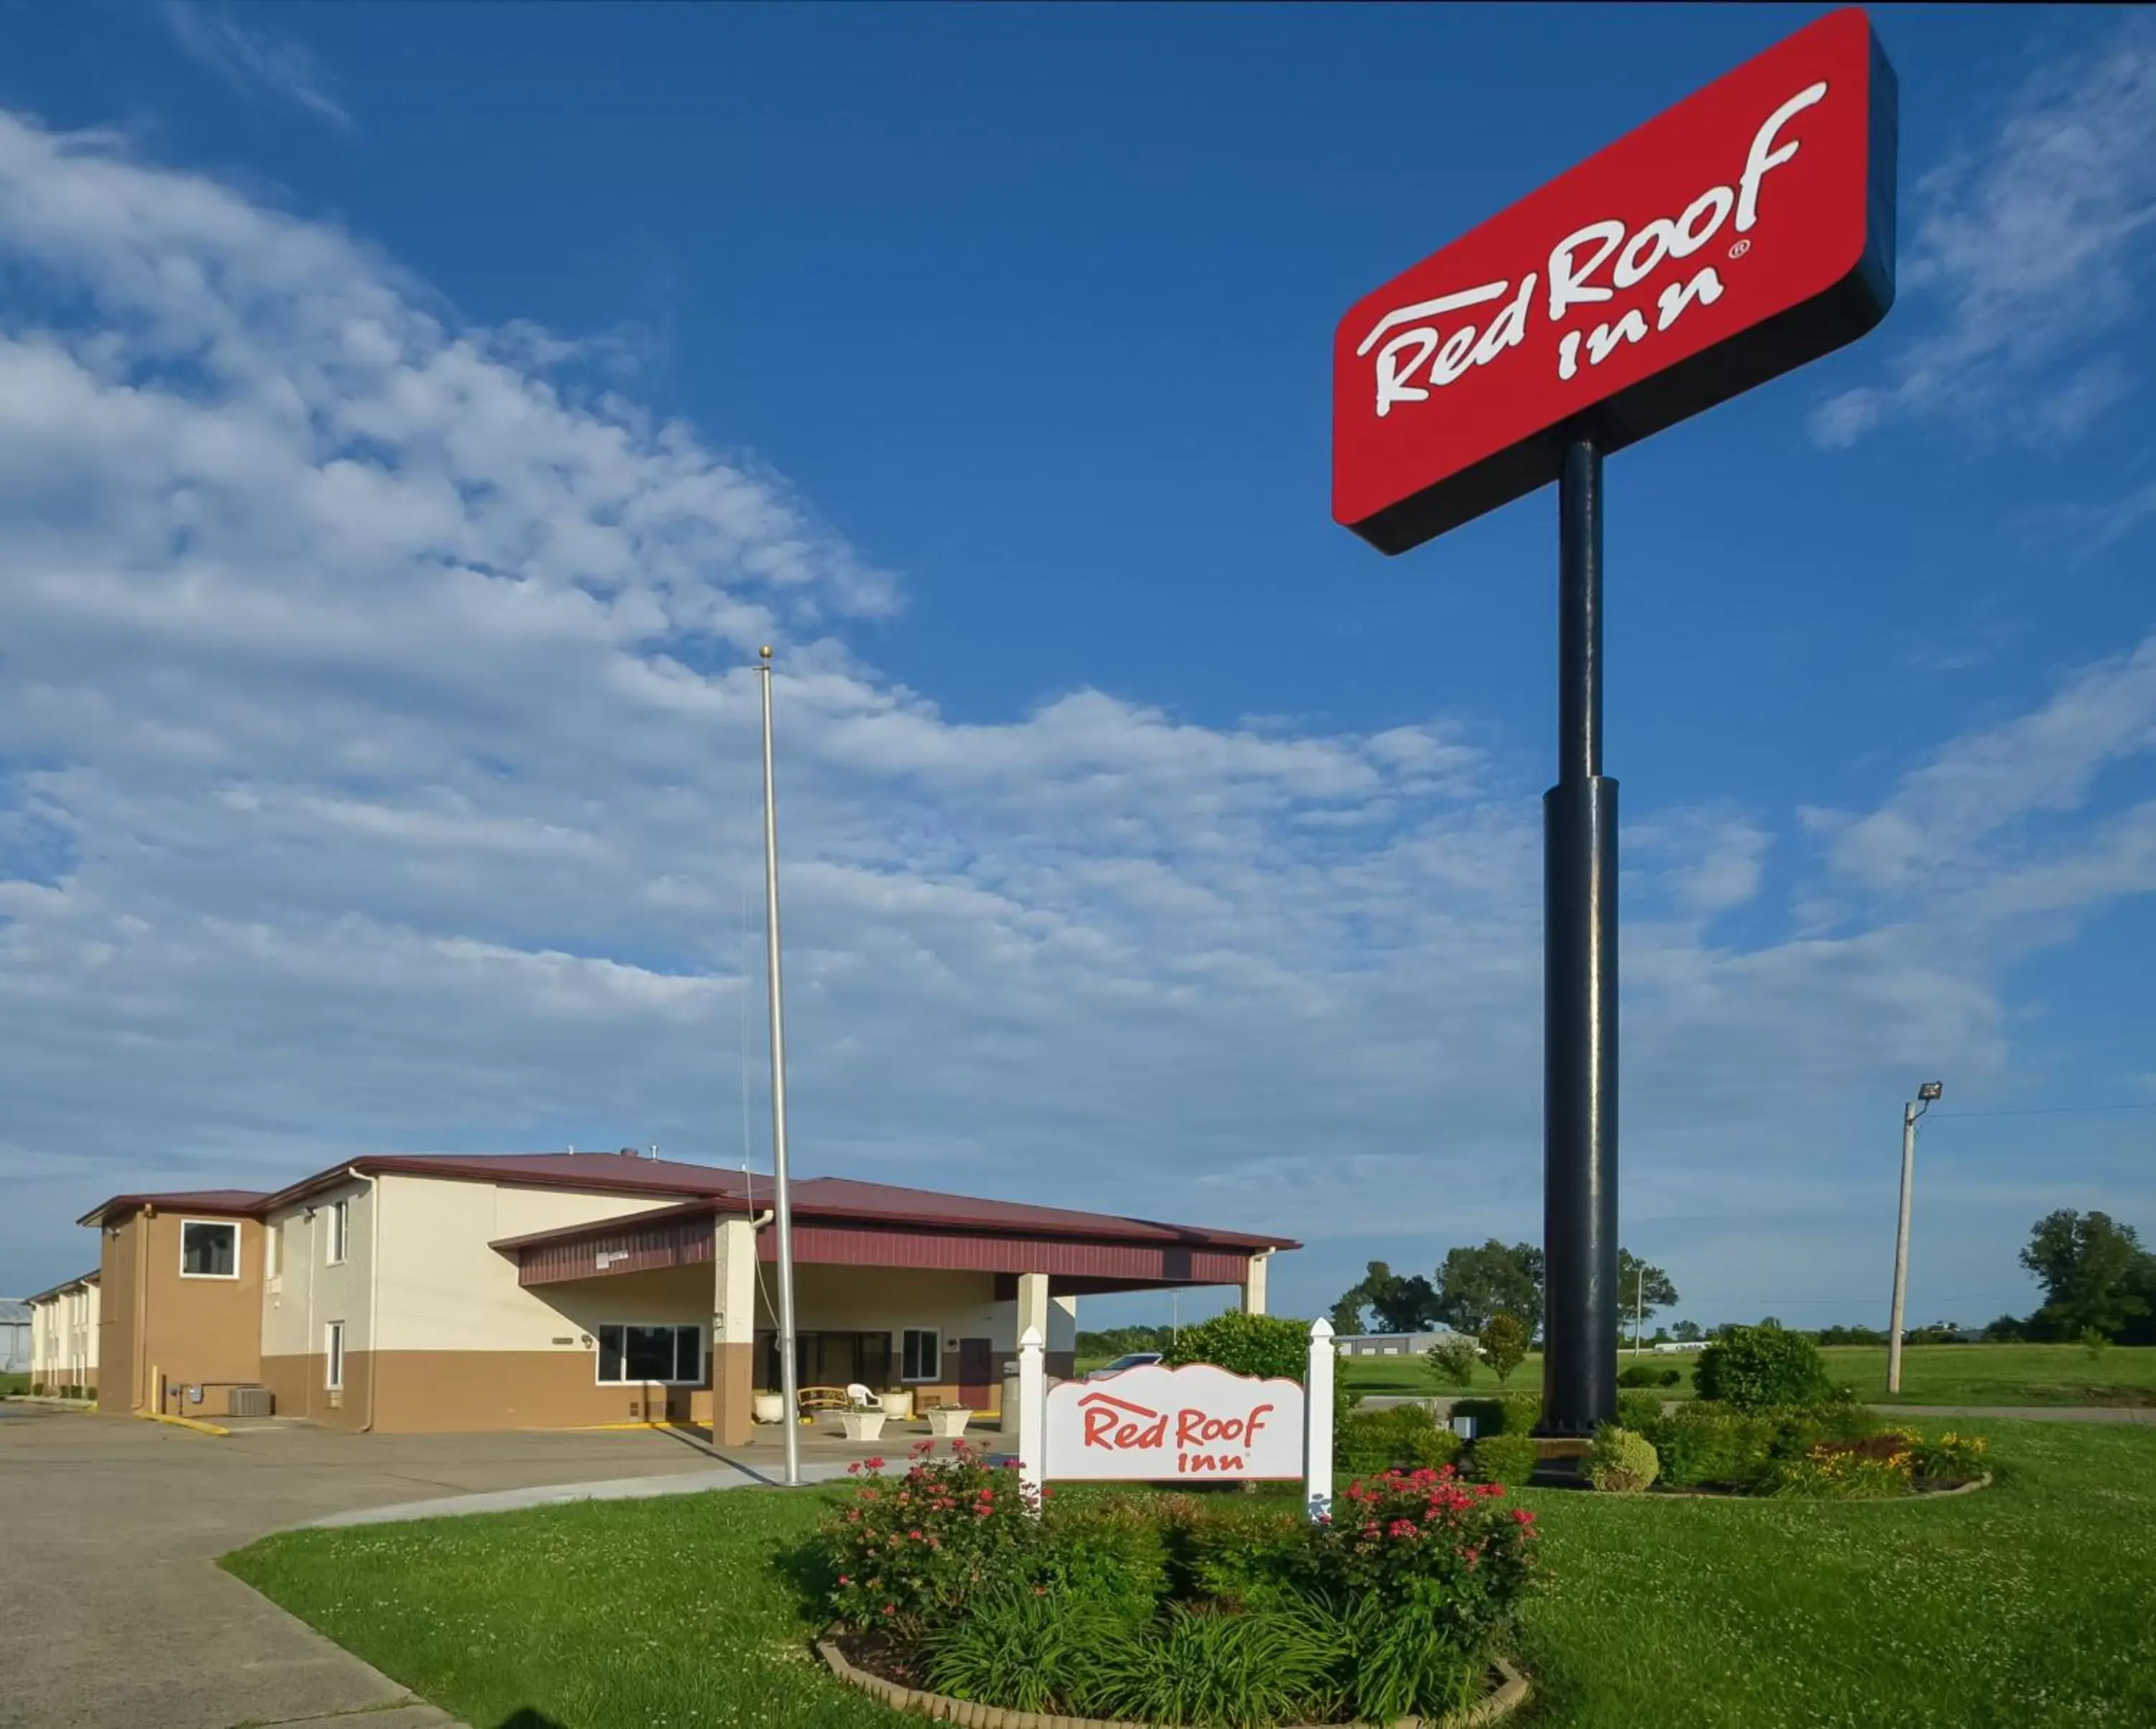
[1745, 231]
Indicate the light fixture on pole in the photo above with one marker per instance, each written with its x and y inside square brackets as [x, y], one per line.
[1926, 1096]
[783, 1205]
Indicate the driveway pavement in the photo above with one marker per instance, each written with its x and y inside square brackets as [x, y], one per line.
[119, 1618]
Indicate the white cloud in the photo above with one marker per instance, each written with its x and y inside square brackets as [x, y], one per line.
[384, 776]
[257, 61]
[1932, 833]
[2026, 256]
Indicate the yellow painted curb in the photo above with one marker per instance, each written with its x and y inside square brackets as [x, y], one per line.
[601, 1427]
[194, 1422]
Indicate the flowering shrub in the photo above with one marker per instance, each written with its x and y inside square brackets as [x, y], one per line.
[907, 1553]
[1949, 1457]
[1424, 1541]
[1843, 1472]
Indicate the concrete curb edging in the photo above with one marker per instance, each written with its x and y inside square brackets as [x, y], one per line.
[1510, 1694]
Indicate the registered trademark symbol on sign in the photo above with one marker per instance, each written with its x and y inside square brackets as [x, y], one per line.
[1740, 249]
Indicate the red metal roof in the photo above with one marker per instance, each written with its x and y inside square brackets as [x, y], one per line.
[247, 1202]
[836, 1197]
[707, 1188]
[599, 1172]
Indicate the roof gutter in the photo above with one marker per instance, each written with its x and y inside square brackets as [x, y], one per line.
[373, 1292]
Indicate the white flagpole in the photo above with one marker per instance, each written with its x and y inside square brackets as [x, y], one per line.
[789, 1391]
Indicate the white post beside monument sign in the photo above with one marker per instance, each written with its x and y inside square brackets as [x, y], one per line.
[1197, 1422]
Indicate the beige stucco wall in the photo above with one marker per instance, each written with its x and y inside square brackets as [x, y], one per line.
[443, 1289]
[308, 1290]
[64, 1338]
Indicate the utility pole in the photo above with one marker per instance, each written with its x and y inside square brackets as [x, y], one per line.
[788, 1372]
[1925, 1094]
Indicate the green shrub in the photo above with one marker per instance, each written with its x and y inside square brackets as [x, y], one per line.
[1621, 1462]
[1261, 1345]
[1504, 1340]
[1451, 1360]
[908, 1554]
[1504, 1457]
[1507, 1413]
[1245, 1344]
[1702, 1442]
[1649, 1374]
[1638, 1411]
[1756, 1367]
[1240, 1556]
[1403, 1438]
[1114, 1552]
[1198, 1665]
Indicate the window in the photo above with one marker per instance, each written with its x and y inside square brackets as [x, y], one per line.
[273, 1250]
[210, 1249]
[333, 1356]
[922, 1358]
[340, 1230]
[629, 1353]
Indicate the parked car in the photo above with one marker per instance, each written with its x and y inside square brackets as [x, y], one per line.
[1129, 1360]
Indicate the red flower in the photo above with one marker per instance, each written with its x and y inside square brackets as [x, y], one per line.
[875, 1465]
[1521, 1515]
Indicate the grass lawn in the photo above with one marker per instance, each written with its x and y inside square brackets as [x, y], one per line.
[2025, 1604]
[2001, 1374]
[1931, 1374]
[1410, 1375]
[15, 1383]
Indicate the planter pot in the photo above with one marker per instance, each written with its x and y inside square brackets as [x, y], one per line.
[767, 1406]
[863, 1425]
[949, 1422]
[898, 1405]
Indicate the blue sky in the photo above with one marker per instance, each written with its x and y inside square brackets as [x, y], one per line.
[411, 418]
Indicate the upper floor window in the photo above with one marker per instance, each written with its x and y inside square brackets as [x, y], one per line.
[210, 1249]
[340, 1230]
[272, 1250]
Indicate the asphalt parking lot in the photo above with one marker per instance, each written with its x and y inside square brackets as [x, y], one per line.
[118, 1615]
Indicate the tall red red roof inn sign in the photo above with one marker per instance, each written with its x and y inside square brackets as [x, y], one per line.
[1745, 231]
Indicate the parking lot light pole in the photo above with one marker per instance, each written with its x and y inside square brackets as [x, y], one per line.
[1926, 1094]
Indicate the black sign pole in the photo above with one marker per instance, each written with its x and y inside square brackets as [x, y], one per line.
[1579, 989]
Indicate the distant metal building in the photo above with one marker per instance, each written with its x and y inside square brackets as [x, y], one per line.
[1390, 1344]
[14, 1336]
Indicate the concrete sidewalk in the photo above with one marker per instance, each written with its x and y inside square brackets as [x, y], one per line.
[123, 1620]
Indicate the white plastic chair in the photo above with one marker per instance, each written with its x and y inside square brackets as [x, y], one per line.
[861, 1398]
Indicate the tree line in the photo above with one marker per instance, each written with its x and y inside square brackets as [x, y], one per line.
[1475, 1283]
[2099, 1287]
